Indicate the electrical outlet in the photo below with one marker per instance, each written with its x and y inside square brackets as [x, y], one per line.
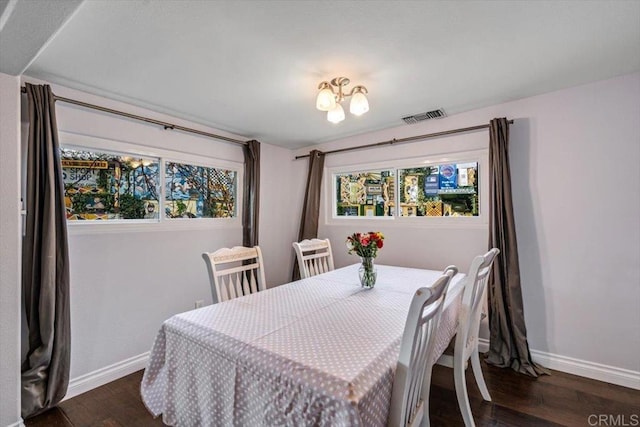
[199, 303]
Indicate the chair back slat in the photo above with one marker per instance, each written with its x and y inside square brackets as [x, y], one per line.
[234, 272]
[233, 285]
[314, 257]
[324, 266]
[407, 404]
[252, 283]
[224, 293]
[312, 267]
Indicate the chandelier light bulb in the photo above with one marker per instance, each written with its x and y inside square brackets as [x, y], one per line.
[359, 103]
[336, 115]
[326, 99]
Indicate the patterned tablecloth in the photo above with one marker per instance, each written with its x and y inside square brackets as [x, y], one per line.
[319, 351]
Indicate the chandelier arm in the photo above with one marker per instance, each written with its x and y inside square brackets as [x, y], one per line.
[340, 81]
[358, 88]
[326, 85]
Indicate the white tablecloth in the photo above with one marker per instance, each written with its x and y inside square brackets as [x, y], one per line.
[319, 351]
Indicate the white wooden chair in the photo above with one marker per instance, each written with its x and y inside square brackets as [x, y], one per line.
[466, 340]
[410, 395]
[314, 257]
[232, 274]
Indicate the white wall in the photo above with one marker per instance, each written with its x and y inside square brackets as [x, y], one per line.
[10, 295]
[575, 158]
[279, 213]
[125, 284]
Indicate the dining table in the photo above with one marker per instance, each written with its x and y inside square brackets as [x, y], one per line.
[321, 351]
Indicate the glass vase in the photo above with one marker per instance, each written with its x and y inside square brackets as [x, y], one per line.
[367, 273]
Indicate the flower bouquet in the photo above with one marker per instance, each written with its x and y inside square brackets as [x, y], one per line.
[366, 246]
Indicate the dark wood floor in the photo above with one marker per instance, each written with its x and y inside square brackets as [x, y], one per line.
[556, 400]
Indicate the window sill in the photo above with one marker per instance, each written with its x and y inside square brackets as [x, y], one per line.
[142, 226]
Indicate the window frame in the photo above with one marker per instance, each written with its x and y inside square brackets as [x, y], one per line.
[476, 156]
[92, 143]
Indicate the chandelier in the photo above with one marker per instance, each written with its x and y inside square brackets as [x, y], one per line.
[329, 99]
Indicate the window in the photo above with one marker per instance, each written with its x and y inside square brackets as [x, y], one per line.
[199, 192]
[104, 186]
[128, 186]
[440, 190]
[446, 187]
[369, 194]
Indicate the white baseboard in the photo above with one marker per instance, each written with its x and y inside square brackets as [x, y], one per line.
[105, 375]
[582, 368]
[19, 423]
[483, 345]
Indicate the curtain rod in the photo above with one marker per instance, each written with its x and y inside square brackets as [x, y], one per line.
[408, 139]
[143, 119]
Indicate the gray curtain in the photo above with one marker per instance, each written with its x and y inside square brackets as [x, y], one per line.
[251, 202]
[45, 262]
[508, 334]
[311, 207]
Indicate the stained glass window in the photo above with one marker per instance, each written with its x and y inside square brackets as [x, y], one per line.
[104, 186]
[199, 192]
[368, 194]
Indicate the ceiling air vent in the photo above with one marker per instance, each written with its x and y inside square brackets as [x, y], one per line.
[435, 114]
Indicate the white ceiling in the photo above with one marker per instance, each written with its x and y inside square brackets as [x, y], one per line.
[252, 67]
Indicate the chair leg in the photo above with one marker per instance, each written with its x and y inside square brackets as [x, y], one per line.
[426, 388]
[477, 373]
[461, 391]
